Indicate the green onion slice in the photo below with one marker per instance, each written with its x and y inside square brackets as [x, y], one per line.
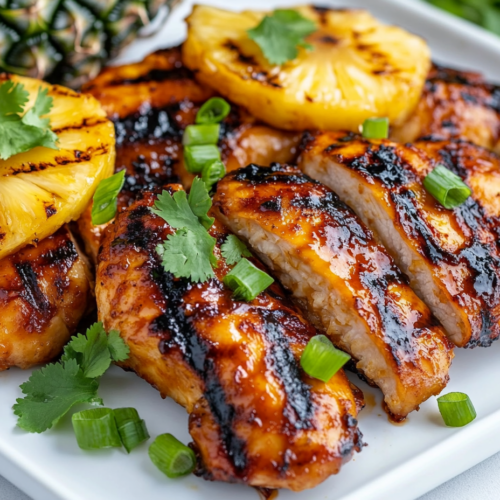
[96, 429]
[212, 172]
[131, 427]
[246, 280]
[172, 457]
[196, 135]
[457, 409]
[446, 187]
[375, 128]
[213, 111]
[195, 157]
[106, 198]
[321, 359]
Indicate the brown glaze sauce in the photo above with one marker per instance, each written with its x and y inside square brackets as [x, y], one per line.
[266, 493]
[397, 420]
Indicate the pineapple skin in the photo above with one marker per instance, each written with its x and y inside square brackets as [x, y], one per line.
[43, 189]
[382, 80]
[69, 41]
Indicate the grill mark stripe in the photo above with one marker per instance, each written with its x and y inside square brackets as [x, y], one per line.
[197, 354]
[299, 406]
[31, 292]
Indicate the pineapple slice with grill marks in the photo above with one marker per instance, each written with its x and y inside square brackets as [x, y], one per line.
[359, 68]
[42, 189]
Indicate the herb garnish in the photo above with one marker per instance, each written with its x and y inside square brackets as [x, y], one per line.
[53, 390]
[22, 132]
[279, 35]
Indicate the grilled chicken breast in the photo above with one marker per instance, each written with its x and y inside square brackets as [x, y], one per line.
[449, 255]
[349, 285]
[455, 104]
[44, 292]
[255, 416]
[151, 103]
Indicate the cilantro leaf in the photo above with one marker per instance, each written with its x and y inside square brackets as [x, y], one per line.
[279, 35]
[50, 394]
[233, 249]
[189, 253]
[185, 255]
[20, 133]
[95, 350]
[118, 349]
[200, 202]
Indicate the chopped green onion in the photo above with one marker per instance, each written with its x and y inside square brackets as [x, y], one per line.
[212, 172]
[131, 427]
[106, 198]
[375, 128]
[246, 280]
[321, 359]
[95, 429]
[457, 409]
[172, 457]
[213, 111]
[446, 187]
[201, 134]
[195, 157]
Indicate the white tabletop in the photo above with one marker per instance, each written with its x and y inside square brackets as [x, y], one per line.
[480, 482]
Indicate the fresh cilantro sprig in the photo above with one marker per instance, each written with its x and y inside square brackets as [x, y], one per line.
[233, 249]
[189, 253]
[22, 132]
[52, 391]
[279, 35]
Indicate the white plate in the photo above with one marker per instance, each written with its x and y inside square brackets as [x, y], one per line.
[400, 462]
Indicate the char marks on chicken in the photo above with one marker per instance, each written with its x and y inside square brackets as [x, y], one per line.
[451, 256]
[44, 292]
[347, 283]
[151, 103]
[255, 417]
[455, 105]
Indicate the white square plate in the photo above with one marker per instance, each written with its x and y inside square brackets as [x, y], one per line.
[400, 462]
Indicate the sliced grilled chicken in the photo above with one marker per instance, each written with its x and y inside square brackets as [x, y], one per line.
[480, 169]
[44, 292]
[255, 417]
[449, 255]
[151, 103]
[455, 104]
[349, 285]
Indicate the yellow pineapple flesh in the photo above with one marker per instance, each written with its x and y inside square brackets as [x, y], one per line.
[42, 189]
[358, 68]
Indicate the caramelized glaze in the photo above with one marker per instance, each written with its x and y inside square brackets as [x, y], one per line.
[255, 417]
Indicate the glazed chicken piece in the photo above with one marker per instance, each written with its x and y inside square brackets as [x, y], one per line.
[347, 283]
[450, 256]
[480, 169]
[455, 104]
[44, 292]
[255, 417]
[151, 103]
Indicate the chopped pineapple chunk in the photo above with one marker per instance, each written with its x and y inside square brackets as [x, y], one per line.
[358, 68]
[42, 189]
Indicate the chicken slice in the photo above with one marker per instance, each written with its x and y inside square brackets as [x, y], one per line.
[151, 103]
[255, 417]
[455, 104]
[44, 292]
[348, 284]
[450, 256]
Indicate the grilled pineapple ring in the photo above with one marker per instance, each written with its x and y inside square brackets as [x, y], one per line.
[42, 189]
[359, 68]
